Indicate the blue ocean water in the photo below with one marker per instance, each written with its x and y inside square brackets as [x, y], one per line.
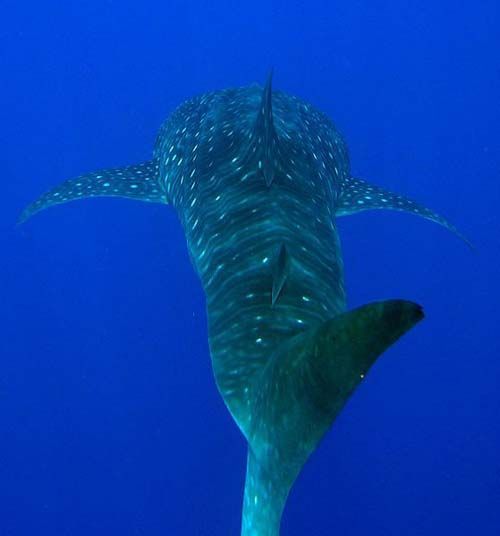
[110, 422]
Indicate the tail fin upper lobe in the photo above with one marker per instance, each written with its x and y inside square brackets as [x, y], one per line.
[301, 391]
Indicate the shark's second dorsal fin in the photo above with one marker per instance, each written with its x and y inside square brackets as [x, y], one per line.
[134, 182]
[281, 267]
[264, 137]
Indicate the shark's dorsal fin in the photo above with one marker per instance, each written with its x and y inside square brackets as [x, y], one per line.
[357, 195]
[264, 137]
[281, 267]
[134, 182]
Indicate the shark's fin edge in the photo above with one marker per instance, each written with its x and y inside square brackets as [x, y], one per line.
[134, 182]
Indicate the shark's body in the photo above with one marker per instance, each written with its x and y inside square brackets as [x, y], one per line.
[257, 179]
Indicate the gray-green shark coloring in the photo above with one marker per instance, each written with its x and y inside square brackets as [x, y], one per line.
[257, 178]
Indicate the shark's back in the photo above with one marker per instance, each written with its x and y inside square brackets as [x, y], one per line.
[247, 237]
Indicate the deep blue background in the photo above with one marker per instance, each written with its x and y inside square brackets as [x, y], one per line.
[110, 422]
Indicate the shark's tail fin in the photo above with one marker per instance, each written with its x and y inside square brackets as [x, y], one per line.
[299, 394]
[135, 182]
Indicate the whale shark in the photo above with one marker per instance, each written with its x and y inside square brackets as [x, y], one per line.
[257, 178]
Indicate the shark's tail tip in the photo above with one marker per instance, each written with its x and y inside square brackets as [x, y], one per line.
[398, 316]
[414, 311]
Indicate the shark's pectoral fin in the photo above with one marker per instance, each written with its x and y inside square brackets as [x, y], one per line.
[303, 388]
[358, 195]
[135, 182]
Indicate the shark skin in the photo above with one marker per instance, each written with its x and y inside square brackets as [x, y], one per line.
[257, 178]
